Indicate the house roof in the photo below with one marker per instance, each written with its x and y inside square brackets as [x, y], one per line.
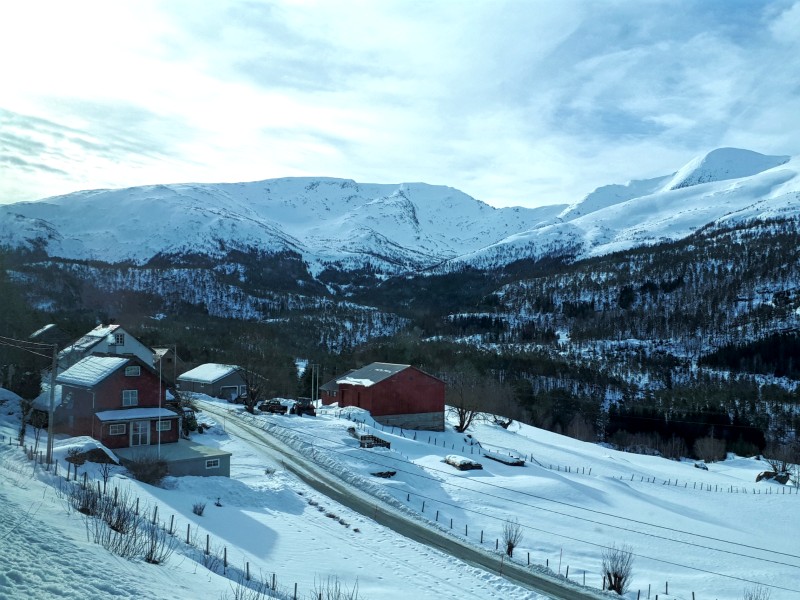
[42, 401]
[91, 370]
[134, 414]
[208, 373]
[371, 374]
[90, 340]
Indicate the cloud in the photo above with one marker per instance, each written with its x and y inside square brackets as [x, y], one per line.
[513, 102]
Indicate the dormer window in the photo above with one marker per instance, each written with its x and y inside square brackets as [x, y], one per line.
[119, 339]
[133, 371]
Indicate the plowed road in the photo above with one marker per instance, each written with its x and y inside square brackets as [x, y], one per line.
[326, 483]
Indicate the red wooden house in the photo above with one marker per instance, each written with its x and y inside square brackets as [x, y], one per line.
[117, 400]
[396, 395]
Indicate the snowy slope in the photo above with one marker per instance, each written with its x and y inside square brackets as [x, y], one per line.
[709, 533]
[610, 220]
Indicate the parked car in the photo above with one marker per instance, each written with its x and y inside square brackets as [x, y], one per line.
[273, 406]
[304, 407]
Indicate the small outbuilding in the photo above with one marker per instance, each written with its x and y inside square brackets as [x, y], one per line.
[396, 395]
[216, 380]
[184, 458]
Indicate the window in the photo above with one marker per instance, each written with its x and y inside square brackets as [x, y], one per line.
[212, 463]
[118, 429]
[119, 339]
[164, 425]
[133, 371]
[130, 397]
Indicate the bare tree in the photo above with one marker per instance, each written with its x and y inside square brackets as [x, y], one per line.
[464, 394]
[758, 592]
[782, 456]
[255, 384]
[512, 536]
[617, 568]
[709, 449]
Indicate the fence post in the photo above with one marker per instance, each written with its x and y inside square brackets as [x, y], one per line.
[566, 576]
[155, 514]
[208, 544]
[248, 571]
[481, 536]
[437, 516]
[666, 588]
[529, 559]
[224, 558]
[295, 592]
[187, 533]
[466, 530]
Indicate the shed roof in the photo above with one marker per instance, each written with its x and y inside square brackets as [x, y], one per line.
[175, 452]
[134, 414]
[208, 373]
[371, 374]
[91, 370]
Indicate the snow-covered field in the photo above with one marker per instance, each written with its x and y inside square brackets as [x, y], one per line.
[712, 533]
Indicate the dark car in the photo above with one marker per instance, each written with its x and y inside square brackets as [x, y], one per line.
[304, 407]
[273, 406]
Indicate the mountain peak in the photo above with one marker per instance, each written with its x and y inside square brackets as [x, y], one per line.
[723, 164]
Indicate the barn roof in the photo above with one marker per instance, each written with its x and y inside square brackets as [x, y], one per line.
[371, 374]
[208, 373]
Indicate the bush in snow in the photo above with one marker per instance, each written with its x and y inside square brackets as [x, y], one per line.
[332, 589]
[756, 593]
[512, 536]
[198, 508]
[148, 469]
[617, 566]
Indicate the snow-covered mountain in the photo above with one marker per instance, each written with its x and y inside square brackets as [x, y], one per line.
[390, 229]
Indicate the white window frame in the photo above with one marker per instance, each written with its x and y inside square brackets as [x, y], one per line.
[117, 429]
[133, 371]
[130, 397]
[212, 463]
[119, 339]
[164, 425]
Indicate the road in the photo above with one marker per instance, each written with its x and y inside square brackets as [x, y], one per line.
[328, 484]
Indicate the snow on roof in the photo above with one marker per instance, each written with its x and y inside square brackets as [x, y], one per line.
[371, 374]
[91, 370]
[208, 373]
[39, 332]
[132, 414]
[94, 337]
[42, 401]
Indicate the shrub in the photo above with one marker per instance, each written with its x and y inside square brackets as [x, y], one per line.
[756, 593]
[147, 468]
[617, 568]
[198, 508]
[512, 536]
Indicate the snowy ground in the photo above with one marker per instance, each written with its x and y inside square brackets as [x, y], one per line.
[712, 532]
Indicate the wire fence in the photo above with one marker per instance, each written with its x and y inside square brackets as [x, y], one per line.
[190, 540]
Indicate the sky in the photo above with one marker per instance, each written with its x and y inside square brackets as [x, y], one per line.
[517, 103]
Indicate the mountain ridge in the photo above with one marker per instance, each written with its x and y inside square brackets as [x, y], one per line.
[344, 225]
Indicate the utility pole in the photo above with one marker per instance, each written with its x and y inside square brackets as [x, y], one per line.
[52, 411]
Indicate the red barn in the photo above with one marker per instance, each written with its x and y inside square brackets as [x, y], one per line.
[395, 395]
[117, 400]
